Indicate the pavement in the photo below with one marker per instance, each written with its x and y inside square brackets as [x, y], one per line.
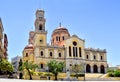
[20, 80]
[100, 79]
[87, 80]
[89, 77]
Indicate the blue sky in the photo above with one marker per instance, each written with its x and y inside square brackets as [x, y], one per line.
[96, 21]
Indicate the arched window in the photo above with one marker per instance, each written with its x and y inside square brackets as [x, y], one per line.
[94, 57]
[74, 51]
[95, 69]
[70, 51]
[50, 54]
[87, 57]
[41, 53]
[41, 66]
[88, 68]
[26, 54]
[80, 52]
[40, 27]
[63, 37]
[59, 54]
[102, 69]
[56, 38]
[101, 58]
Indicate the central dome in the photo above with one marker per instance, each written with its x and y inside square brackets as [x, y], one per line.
[59, 35]
[60, 30]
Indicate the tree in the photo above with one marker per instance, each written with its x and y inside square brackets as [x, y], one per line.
[55, 67]
[77, 69]
[20, 69]
[6, 66]
[28, 66]
[20, 65]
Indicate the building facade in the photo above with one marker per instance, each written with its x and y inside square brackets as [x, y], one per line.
[64, 47]
[5, 46]
[1, 39]
[3, 42]
[15, 62]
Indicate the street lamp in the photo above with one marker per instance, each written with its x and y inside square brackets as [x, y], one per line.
[48, 73]
[68, 73]
[84, 71]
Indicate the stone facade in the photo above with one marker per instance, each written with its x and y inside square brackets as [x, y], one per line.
[63, 47]
[3, 42]
[5, 46]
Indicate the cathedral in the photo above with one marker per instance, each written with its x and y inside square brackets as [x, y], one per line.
[64, 47]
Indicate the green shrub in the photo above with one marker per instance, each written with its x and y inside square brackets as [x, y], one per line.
[40, 73]
[79, 75]
[111, 74]
[48, 74]
[114, 73]
[72, 75]
[109, 70]
[117, 73]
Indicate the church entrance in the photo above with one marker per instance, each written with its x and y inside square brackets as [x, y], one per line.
[88, 68]
[95, 69]
[102, 69]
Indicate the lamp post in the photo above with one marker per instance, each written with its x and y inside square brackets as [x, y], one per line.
[84, 71]
[68, 74]
[48, 73]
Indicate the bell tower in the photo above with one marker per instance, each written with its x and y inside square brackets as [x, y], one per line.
[40, 21]
[40, 32]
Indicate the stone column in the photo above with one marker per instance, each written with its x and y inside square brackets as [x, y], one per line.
[46, 53]
[91, 69]
[98, 69]
[91, 56]
[98, 56]
[105, 69]
[72, 51]
[85, 67]
[104, 57]
[83, 54]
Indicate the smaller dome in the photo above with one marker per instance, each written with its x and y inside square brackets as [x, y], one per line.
[29, 46]
[61, 27]
[59, 35]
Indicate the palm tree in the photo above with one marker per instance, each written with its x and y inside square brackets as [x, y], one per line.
[28, 66]
[55, 67]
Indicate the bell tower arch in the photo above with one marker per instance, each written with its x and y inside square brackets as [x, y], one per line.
[40, 38]
[40, 21]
